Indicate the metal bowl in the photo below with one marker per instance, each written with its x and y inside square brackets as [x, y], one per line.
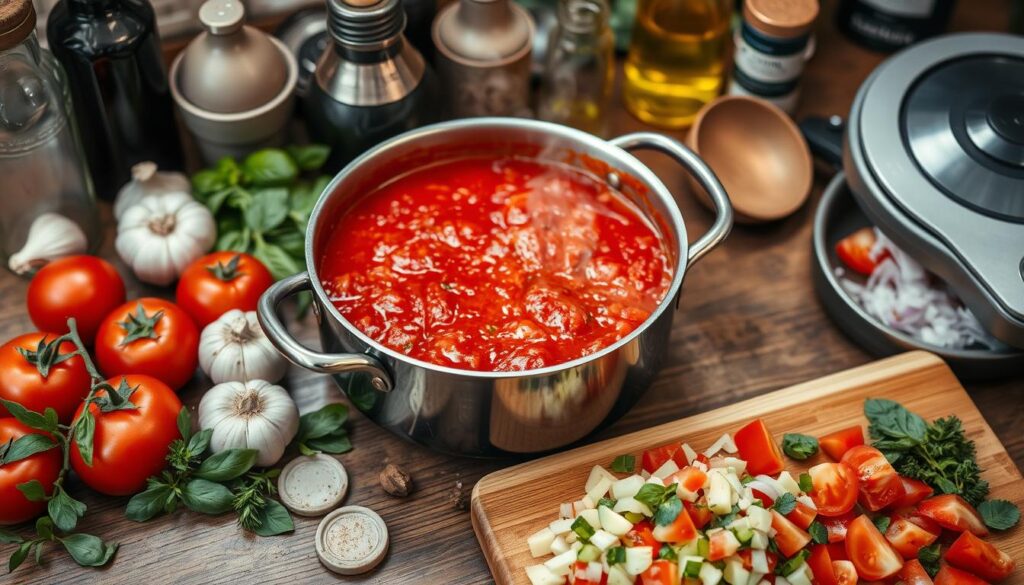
[837, 216]
[493, 413]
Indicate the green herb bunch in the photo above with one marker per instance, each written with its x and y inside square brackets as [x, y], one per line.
[263, 204]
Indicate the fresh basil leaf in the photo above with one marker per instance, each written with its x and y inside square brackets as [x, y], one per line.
[206, 497]
[29, 418]
[32, 490]
[216, 200]
[818, 532]
[150, 502]
[668, 510]
[227, 465]
[889, 418]
[85, 432]
[209, 181]
[274, 519]
[234, 241]
[199, 443]
[650, 495]
[999, 514]
[268, 210]
[185, 423]
[624, 464]
[929, 558]
[309, 157]
[44, 527]
[19, 555]
[320, 423]
[882, 523]
[278, 262]
[806, 483]
[799, 447]
[7, 537]
[335, 443]
[289, 240]
[88, 550]
[785, 504]
[26, 446]
[229, 170]
[65, 510]
[270, 167]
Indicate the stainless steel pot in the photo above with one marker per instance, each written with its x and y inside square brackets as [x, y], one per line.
[494, 413]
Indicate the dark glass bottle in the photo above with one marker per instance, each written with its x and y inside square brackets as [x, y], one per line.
[110, 50]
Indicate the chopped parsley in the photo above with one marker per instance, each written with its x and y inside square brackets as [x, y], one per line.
[624, 464]
[785, 504]
[799, 447]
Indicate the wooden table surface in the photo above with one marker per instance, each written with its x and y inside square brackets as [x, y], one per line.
[749, 323]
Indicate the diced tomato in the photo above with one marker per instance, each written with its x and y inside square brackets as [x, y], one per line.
[837, 525]
[914, 490]
[745, 556]
[973, 554]
[654, 458]
[836, 444]
[722, 544]
[758, 448]
[908, 538]
[578, 575]
[661, 572]
[802, 515]
[855, 251]
[642, 534]
[766, 501]
[789, 537]
[699, 513]
[837, 550]
[835, 488]
[820, 563]
[953, 513]
[879, 484]
[952, 576]
[845, 573]
[912, 514]
[689, 479]
[702, 458]
[680, 530]
[913, 573]
[869, 552]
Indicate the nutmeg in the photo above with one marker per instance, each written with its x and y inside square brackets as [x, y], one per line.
[396, 481]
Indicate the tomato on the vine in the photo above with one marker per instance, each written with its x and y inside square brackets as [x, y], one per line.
[83, 287]
[149, 336]
[129, 444]
[220, 282]
[43, 467]
[38, 374]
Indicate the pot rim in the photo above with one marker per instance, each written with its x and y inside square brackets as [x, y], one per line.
[628, 163]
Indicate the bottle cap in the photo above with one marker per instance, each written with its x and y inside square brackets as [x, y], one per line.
[222, 17]
[351, 540]
[781, 18]
[311, 486]
[17, 21]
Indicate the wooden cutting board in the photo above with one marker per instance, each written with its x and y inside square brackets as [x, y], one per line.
[511, 504]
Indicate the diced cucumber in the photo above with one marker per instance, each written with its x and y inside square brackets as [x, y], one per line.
[633, 517]
[588, 553]
[734, 572]
[614, 523]
[541, 575]
[690, 566]
[638, 559]
[628, 487]
[540, 542]
[561, 564]
[710, 575]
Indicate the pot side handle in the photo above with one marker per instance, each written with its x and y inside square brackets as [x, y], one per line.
[298, 354]
[702, 173]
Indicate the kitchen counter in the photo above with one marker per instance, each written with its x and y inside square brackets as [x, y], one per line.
[749, 323]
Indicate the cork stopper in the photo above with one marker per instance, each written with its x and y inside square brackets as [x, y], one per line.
[17, 20]
[781, 18]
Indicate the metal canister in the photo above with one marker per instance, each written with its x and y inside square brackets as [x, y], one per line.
[483, 57]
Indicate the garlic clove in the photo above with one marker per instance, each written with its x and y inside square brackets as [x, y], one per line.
[147, 181]
[51, 236]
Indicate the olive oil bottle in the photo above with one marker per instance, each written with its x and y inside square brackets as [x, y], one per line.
[676, 61]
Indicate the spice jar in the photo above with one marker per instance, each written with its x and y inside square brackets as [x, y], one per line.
[772, 45]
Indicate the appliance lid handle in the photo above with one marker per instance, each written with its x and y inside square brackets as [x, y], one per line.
[701, 173]
[298, 354]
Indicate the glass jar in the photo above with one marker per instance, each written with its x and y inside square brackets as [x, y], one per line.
[41, 158]
[579, 68]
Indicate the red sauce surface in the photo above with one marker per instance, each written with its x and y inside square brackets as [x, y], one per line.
[495, 265]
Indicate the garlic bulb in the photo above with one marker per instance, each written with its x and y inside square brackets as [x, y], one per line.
[51, 236]
[234, 349]
[162, 234]
[147, 181]
[251, 415]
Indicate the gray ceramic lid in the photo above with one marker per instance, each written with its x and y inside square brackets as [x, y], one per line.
[483, 31]
[311, 486]
[231, 67]
[352, 540]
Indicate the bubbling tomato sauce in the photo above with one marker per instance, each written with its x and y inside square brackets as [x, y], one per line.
[495, 264]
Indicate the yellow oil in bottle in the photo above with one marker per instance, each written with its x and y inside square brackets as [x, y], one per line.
[676, 59]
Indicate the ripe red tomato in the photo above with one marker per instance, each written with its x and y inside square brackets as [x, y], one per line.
[914, 515]
[661, 572]
[948, 575]
[63, 388]
[689, 479]
[845, 573]
[913, 573]
[908, 538]
[652, 459]
[802, 515]
[680, 530]
[835, 488]
[759, 449]
[788, 536]
[973, 554]
[642, 534]
[130, 444]
[869, 552]
[837, 550]
[836, 444]
[820, 563]
[149, 336]
[914, 490]
[699, 513]
[220, 282]
[43, 467]
[746, 556]
[879, 485]
[83, 287]
[855, 251]
[837, 526]
[953, 513]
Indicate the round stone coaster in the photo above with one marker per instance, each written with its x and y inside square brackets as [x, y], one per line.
[312, 486]
[351, 540]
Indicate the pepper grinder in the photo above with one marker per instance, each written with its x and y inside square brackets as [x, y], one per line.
[483, 57]
[369, 84]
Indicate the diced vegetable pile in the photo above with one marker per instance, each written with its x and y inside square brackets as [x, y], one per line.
[732, 514]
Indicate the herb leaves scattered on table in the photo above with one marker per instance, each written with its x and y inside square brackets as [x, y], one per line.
[262, 204]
